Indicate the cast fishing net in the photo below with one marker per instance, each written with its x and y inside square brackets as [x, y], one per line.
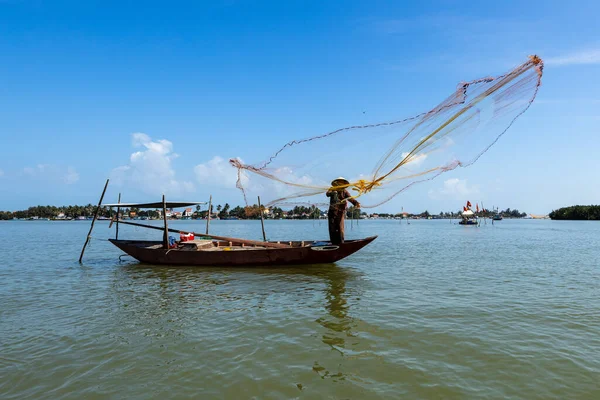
[381, 160]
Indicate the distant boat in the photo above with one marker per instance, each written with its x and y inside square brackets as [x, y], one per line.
[468, 216]
[497, 217]
[468, 219]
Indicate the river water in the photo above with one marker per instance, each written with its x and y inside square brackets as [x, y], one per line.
[429, 310]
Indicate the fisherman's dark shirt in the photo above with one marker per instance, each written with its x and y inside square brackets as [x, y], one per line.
[335, 202]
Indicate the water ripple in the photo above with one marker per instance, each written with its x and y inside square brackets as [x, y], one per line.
[429, 310]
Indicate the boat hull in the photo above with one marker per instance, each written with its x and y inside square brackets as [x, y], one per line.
[251, 257]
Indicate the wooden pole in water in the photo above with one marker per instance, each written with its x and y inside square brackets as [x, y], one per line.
[166, 234]
[87, 239]
[208, 213]
[118, 211]
[484, 213]
[262, 220]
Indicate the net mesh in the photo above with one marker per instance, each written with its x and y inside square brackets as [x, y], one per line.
[383, 159]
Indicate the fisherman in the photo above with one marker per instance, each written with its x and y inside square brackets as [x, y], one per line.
[338, 198]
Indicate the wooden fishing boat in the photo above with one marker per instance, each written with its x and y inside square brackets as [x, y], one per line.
[238, 253]
[212, 250]
[468, 216]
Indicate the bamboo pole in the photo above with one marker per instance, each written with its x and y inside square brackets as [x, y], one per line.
[224, 238]
[118, 211]
[87, 239]
[484, 213]
[166, 234]
[208, 213]
[262, 220]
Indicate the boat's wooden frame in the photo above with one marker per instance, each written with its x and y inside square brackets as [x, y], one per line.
[238, 253]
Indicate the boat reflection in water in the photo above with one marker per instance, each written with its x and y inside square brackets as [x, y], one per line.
[181, 297]
[337, 322]
[225, 314]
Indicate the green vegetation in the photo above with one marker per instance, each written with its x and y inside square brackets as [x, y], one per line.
[587, 213]
[224, 212]
[508, 213]
[253, 212]
[54, 212]
[5, 215]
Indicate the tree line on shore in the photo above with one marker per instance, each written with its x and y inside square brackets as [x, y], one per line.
[586, 213]
[75, 211]
[248, 212]
[577, 212]
[238, 212]
[508, 213]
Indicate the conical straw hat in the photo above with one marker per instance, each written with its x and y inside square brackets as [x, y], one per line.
[341, 180]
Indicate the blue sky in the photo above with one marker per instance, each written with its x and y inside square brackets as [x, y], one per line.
[200, 80]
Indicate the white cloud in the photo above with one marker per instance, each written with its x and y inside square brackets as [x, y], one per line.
[150, 169]
[414, 160]
[220, 173]
[51, 172]
[455, 188]
[288, 175]
[34, 171]
[217, 171]
[71, 176]
[590, 56]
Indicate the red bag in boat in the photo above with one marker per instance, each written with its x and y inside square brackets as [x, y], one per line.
[186, 237]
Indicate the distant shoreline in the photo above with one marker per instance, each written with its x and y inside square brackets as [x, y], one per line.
[203, 221]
